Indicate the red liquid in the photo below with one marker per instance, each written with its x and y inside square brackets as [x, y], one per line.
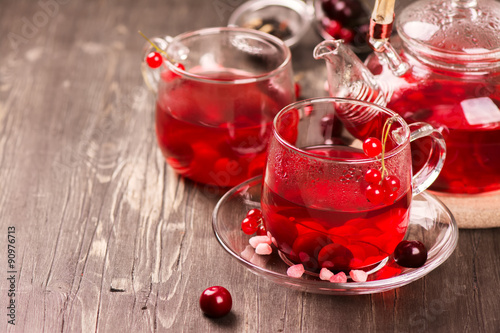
[336, 239]
[473, 150]
[217, 133]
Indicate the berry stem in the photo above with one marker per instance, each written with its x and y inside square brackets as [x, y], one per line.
[385, 135]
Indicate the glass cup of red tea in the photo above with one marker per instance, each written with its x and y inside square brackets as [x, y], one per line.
[331, 200]
[218, 90]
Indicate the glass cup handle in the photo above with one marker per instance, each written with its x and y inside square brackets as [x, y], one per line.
[152, 76]
[431, 169]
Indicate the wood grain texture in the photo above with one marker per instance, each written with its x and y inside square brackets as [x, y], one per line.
[109, 239]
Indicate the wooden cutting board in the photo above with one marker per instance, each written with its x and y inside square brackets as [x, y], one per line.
[473, 211]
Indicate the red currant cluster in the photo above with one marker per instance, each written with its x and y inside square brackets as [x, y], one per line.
[381, 187]
[254, 223]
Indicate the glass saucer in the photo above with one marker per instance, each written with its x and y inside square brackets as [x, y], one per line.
[430, 222]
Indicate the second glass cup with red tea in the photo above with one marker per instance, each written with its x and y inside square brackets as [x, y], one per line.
[322, 200]
[218, 91]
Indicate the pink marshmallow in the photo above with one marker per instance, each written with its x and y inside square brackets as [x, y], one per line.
[339, 278]
[263, 249]
[256, 240]
[325, 274]
[358, 275]
[295, 271]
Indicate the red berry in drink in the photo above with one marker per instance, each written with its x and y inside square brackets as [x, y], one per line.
[391, 184]
[375, 194]
[154, 59]
[249, 225]
[372, 147]
[373, 176]
[411, 254]
[216, 301]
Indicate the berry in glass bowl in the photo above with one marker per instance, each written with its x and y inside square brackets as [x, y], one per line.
[343, 19]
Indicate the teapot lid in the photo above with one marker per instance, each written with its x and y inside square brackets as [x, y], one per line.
[462, 34]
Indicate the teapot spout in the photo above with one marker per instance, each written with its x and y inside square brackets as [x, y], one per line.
[347, 76]
[327, 49]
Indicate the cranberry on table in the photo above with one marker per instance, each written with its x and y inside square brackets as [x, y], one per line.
[216, 301]
[411, 254]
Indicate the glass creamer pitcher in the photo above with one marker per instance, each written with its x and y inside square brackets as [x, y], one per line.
[444, 69]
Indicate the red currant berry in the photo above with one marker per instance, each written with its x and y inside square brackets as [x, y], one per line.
[249, 225]
[372, 147]
[375, 194]
[154, 59]
[216, 301]
[390, 198]
[261, 230]
[347, 35]
[180, 66]
[373, 176]
[411, 254]
[255, 214]
[391, 184]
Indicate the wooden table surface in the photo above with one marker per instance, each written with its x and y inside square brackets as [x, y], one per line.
[106, 237]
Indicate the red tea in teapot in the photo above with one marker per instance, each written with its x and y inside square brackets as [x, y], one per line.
[469, 117]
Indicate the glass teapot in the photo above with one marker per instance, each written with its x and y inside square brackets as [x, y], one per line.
[444, 69]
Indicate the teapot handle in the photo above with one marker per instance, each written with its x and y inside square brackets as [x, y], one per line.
[380, 31]
[437, 155]
[387, 54]
[150, 75]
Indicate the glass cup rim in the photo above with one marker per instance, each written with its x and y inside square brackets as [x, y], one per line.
[321, 100]
[278, 43]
